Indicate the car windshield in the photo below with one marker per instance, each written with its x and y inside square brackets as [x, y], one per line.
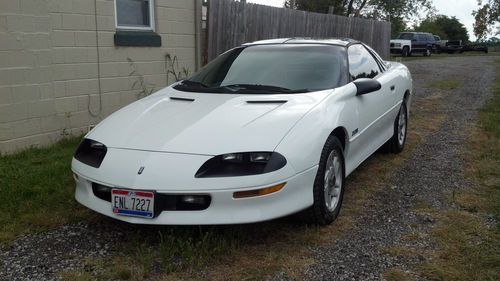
[405, 36]
[270, 69]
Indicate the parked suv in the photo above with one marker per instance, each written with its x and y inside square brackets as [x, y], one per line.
[408, 43]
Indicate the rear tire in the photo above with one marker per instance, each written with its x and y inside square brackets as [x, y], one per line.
[328, 189]
[397, 143]
[427, 52]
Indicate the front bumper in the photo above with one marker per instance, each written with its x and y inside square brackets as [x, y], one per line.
[396, 50]
[224, 209]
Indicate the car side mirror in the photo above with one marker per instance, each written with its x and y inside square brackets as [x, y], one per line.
[366, 86]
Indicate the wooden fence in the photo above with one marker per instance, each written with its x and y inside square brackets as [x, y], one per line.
[232, 23]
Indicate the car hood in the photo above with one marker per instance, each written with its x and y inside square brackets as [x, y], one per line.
[205, 123]
[400, 41]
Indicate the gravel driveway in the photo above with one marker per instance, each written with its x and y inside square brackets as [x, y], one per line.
[433, 168]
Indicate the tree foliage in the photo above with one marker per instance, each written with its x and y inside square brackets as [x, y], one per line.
[449, 28]
[486, 17]
[377, 9]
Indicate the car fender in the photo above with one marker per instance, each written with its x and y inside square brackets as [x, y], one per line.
[303, 144]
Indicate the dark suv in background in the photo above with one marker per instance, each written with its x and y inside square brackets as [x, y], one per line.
[414, 42]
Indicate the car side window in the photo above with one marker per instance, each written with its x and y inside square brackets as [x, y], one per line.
[361, 63]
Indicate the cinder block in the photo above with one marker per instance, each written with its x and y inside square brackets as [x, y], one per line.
[36, 41]
[26, 128]
[20, 23]
[10, 7]
[25, 93]
[85, 70]
[106, 39]
[63, 38]
[42, 23]
[75, 55]
[105, 8]
[90, 22]
[41, 108]
[46, 90]
[64, 71]
[79, 119]
[56, 21]
[59, 89]
[12, 76]
[34, 7]
[25, 58]
[85, 38]
[3, 23]
[106, 23]
[57, 55]
[66, 105]
[13, 112]
[5, 95]
[43, 57]
[61, 6]
[179, 4]
[115, 84]
[52, 123]
[11, 41]
[83, 6]
[73, 22]
[77, 87]
[6, 131]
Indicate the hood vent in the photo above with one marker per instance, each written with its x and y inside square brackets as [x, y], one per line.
[266, 101]
[182, 99]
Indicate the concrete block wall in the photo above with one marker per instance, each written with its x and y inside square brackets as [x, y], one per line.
[49, 67]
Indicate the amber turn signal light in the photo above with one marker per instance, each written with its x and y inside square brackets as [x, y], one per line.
[258, 192]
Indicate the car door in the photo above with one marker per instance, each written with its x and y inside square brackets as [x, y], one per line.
[373, 109]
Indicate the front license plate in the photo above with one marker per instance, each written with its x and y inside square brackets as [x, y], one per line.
[133, 203]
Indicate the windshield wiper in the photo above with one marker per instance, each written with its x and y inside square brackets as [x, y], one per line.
[260, 88]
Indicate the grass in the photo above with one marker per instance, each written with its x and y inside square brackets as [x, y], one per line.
[446, 84]
[467, 241]
[396, 274]
[37, 190]
[442, 56]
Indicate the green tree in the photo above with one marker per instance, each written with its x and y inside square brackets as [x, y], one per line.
[378, 9]
[486, 17]
[449, 28]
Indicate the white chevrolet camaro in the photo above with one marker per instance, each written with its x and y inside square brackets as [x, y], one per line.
[265, 130]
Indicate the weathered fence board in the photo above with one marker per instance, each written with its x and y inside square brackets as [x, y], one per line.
[232, 23]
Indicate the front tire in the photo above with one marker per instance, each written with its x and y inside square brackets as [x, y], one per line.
[328, 189]
[397, 143]
[406, 51]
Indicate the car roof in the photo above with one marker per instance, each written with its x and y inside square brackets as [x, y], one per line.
[414, 32]
[304, 40]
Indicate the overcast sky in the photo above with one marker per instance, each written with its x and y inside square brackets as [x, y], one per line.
[462, 9]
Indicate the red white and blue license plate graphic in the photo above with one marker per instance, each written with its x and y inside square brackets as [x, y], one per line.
[132, 203]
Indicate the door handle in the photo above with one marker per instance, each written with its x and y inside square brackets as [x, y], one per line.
[393, 88]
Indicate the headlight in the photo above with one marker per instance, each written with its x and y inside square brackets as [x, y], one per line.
[91, 152]
[241, 164]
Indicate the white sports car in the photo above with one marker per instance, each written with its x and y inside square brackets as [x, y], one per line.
[265, 130]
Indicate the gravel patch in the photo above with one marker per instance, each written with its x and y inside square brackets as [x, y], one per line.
[433, 168]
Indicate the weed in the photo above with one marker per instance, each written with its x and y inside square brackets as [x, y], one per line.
[145, 88]
[172, 68]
